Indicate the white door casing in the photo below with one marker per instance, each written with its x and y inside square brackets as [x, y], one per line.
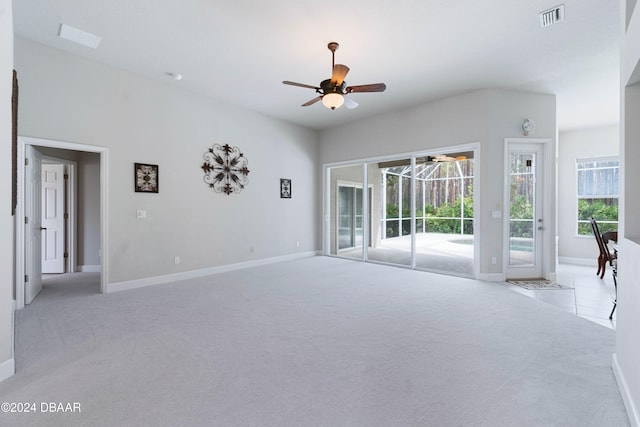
[526, 256]
[22, 253]
[53, 218]
[33, 225]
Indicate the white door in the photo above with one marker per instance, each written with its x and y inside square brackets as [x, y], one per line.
[33, 225]
[525, 222]
[53, 221]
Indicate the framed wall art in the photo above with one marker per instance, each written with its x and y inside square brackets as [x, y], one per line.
[225, 169]
[145, 178]
[285, 188]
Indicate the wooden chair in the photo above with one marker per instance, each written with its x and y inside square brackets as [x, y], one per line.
[610, 235]
[605, 257]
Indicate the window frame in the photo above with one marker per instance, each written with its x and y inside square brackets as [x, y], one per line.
[594, 159]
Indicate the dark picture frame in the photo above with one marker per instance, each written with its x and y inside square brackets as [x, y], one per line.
[145, 178]
[285, 188]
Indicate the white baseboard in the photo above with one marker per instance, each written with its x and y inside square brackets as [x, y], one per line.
[89, 268]
[492, 277]
[7, 369]
[578, 261]
[630, 406]
[159, 280]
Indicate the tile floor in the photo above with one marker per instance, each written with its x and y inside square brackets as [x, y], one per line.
[591, 297]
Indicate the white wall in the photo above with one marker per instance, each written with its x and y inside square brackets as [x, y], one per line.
[67, 98]
[626, 365]
[484, 116]
[572, 145]
[6, 220]
[88, 208]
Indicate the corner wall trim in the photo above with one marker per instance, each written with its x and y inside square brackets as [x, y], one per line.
[159, 280]
[7, 369]
[632, 411]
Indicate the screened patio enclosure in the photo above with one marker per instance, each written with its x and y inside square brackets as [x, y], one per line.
[417, 212]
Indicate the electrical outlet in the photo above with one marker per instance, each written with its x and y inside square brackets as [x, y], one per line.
[141, 214]
[176, 260]
[494, 260]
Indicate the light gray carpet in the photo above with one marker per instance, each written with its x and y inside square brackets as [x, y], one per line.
[313, 342]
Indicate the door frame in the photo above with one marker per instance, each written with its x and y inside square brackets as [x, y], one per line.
[20, 255]
[70, 168]
[547, 239]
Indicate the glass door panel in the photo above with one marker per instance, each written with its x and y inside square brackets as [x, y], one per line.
[346, 237]
[346, 211]
[524, 259]
[522, 208]
[444, 214]
[393, 179]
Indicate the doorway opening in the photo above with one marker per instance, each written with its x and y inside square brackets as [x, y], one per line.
[31, 233]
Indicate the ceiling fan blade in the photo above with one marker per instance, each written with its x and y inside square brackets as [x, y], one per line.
[374, 87]
[300, 85]
[313, 101]
[339, 73]
[350, 103]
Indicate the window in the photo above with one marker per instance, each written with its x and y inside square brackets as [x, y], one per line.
[597, 189]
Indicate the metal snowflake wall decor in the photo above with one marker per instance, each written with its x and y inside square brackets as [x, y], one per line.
[225, 169]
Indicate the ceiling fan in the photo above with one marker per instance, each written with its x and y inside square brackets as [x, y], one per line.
[333, 91]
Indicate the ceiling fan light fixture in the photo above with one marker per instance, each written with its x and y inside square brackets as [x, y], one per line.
[332, 91]
[333, 100]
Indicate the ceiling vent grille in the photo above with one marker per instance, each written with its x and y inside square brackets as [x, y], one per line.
[70, 33]
[551, 16]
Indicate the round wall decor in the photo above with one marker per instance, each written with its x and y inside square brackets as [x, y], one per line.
[225, 169]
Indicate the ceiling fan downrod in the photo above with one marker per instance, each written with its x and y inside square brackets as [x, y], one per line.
[333, 46]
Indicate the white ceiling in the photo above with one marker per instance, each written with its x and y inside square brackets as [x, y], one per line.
[240, 51]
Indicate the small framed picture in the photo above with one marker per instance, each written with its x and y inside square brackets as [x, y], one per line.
[145, 178]
[285, 188]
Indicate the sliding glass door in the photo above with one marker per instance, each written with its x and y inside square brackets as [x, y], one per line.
[350, 217]
[347, 223]
[417, 212]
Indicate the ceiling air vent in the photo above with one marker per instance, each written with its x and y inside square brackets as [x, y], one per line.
[67, 32]
[551, 16]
